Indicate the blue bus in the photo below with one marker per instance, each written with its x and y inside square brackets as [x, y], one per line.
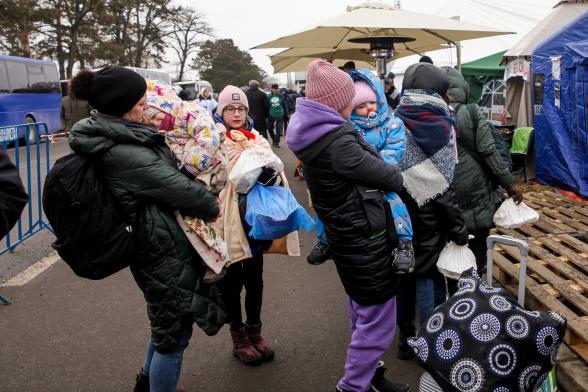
[29, 92]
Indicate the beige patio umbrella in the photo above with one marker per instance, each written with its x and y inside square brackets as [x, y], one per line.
[298, 59]
[295, 64]
[380, 19]
[416, 32]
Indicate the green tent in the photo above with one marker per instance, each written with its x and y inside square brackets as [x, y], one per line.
[479, 72]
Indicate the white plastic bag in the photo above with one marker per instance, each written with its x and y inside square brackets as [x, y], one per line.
[454, 259]
[248, 167]
[511, 215]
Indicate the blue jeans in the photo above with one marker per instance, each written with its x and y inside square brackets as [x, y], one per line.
[279, 123]
[427, 292]
[164, 369]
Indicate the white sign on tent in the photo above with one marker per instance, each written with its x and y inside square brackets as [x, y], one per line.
[517, 67]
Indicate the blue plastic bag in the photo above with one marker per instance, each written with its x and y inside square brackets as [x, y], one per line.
[273, 212]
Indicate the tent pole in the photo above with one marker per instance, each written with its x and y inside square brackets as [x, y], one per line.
[457, 47]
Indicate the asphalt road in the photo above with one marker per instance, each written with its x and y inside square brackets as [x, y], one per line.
[64, 333]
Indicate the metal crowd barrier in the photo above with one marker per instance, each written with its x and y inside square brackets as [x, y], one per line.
[32, 157]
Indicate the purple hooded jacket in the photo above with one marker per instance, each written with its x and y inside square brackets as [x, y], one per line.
[311, 121]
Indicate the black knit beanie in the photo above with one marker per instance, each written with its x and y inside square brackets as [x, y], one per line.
[425, 76]
[113, 90]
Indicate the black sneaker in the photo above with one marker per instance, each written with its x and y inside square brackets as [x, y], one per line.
[405, 352]
[381, 384]
[403, 258]
[319, 254]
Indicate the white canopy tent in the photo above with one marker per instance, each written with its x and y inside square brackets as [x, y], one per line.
[519, 83]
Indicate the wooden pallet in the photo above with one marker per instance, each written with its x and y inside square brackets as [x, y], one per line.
[557, 269]
[557, 279]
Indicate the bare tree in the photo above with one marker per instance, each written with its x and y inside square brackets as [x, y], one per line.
[187, 32]
[65, 22]
[134, 31]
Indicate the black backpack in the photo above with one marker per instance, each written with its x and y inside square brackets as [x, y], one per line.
[94, 237]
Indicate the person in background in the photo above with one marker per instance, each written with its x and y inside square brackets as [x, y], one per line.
[13, 197]
[206, 101]
[258, 108]
[391, 92]
[480, 167]
[348, 66]
[339, 167]
[426, 59]
[72, 110]
[276, 114]
[427, 169]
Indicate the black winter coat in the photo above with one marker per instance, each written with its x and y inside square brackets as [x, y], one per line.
[13, 197]
[434, 225]
[142, 175]
[335, 167]
[258, 108]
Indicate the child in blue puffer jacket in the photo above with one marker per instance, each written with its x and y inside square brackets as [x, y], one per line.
[387, 135]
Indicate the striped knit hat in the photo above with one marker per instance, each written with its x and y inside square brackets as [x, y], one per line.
[328, 85]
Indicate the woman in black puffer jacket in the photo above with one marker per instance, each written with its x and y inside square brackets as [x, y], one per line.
[427, 168]
[142, 175]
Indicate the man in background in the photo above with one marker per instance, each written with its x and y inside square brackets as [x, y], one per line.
[276, 114]
[73, 109]
[258, 107]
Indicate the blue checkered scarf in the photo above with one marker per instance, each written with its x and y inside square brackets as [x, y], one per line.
[430, 156]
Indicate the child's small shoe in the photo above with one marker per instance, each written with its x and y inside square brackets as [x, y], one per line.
[319, 254]
[211, 277]
[403, 258]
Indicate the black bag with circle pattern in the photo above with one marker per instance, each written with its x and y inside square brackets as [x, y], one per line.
[482, 340]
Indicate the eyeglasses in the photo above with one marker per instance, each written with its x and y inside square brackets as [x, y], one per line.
[232, 109]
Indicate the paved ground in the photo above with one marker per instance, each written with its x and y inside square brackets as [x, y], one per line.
[64, 333]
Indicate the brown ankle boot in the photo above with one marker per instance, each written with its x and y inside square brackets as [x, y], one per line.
[259, 343]
[243, 349]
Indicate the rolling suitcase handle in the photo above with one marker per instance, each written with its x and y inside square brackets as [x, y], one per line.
[523, 247]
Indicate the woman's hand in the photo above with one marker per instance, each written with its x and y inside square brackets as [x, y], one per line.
[217, 201]
[516, 193]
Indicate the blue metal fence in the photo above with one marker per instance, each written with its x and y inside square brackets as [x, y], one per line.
[32, 157]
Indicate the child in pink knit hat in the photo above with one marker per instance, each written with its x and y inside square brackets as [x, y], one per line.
[347, 178]
[198, 144]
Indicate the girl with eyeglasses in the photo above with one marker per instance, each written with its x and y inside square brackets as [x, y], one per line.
[246, 253]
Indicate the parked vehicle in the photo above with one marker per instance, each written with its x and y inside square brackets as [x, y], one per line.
[29, 92]
[191, 88]
[153, 74]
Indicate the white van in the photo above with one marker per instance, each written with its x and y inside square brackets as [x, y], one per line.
[190, 89]
[153, 74]
[149, 74]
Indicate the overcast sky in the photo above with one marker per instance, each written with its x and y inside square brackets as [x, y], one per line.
[252, 22]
